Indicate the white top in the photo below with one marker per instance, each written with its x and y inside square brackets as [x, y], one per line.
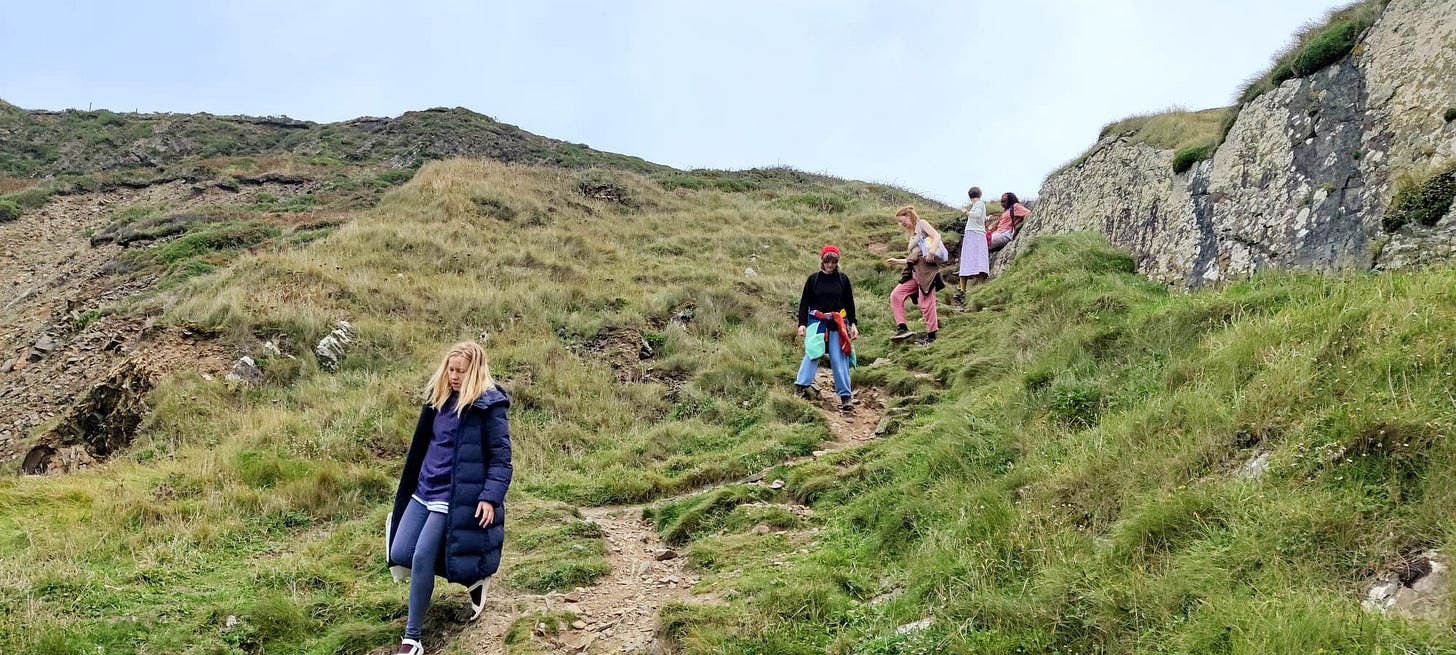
[976, 217]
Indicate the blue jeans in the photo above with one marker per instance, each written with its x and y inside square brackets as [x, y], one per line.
[838, 361]
[417, 541]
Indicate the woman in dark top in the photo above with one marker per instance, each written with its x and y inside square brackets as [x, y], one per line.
[449, 511]
[827, 307]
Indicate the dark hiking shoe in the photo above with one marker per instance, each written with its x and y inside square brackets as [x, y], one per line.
[807, 392]
[959, 298]
[902, 334]
[926, 340]
[845, 404]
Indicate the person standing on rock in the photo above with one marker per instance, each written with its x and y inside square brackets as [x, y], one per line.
[1012, 215]
[975, 258]
[921, 277]
[449, 511]
[826, 307]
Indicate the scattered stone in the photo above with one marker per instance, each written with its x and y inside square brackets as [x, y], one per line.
[573, 596]
[761, 529]
[7, 365]
[577, 643]
[271, 349]
[330, 349]
[578, 624]
[1415, 589]
[245, 370]
[820, 453]
[914, 627]
[884, 425]
[641, 568]
[1255, 467]
[645, 352]
[776, 484]
[879, 361]
[230, 622]
[45, 344]
[666, 555]
[750, 272]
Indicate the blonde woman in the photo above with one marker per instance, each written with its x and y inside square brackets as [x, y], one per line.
[449, 512]
[921, 275]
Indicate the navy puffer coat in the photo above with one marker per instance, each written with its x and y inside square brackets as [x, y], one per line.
[481, 470]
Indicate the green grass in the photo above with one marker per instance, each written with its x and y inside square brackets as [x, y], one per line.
[1072, 489]
[265, 504]
[1185, 158]
[1188, 133]
[9, 210]
[1058, 475]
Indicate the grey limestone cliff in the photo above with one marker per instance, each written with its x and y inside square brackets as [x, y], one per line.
[1303, 178]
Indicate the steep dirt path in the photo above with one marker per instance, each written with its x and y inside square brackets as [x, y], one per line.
[619, 614]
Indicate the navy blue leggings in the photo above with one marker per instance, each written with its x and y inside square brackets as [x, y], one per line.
[417, 541]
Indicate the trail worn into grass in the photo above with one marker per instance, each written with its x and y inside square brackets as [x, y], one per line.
[619, 613]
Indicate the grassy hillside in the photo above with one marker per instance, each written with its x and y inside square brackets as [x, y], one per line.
[75, 143]
[1059, 473]
[1073, 486]
[248, 520]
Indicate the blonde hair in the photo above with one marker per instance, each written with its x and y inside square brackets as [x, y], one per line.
[475, 382]
[918, 228]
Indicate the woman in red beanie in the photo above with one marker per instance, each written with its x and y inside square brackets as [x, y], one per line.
[827, 308]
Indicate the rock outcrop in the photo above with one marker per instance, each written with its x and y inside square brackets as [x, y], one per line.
[1303, 179]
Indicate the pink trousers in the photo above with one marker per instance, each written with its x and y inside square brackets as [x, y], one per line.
[927, 304]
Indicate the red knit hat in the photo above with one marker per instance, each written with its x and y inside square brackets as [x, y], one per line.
[829, 248]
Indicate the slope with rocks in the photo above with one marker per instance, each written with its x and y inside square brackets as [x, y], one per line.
[244, 515]
[1304, 178]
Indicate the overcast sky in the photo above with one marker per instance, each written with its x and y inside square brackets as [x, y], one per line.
[932, 96]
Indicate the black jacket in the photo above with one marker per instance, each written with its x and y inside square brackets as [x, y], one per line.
[481, 470]
[827, 293]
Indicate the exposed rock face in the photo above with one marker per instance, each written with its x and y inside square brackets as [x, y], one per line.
[1303, 178]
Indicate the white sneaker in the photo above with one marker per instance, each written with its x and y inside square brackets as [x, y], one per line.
[410, 647]
[477, 597]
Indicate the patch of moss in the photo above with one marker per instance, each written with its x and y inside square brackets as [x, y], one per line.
[1185, 159]
[1423, 204]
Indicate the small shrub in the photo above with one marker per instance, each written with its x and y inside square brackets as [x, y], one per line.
[32, 198]
[1185, 159]
[1423, 204]
[9, 210]
[823, 203]
[395, 176]
[1450, 114]
[1332, 43]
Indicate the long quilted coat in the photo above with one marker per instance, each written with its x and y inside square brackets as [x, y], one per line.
[481, 470]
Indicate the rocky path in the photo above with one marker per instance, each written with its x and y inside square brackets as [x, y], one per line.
[619, 614]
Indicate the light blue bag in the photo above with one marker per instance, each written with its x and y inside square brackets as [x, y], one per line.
[814, 340]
